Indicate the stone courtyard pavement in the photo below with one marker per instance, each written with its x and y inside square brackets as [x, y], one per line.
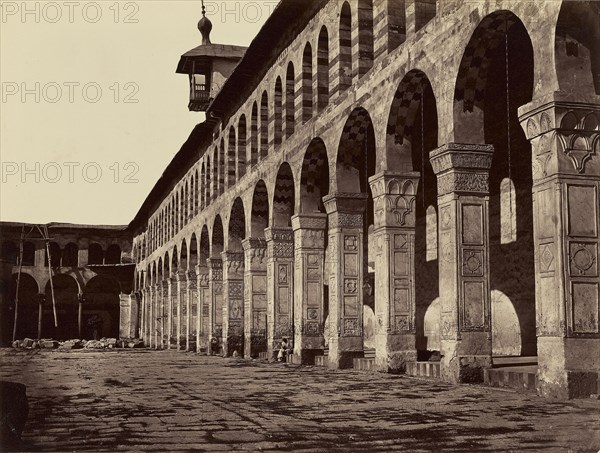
[141, 400]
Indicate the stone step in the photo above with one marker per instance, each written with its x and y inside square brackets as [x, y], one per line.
[498, 362]
[517, 377]
[321, 360]
[364, 364]
[423, 369]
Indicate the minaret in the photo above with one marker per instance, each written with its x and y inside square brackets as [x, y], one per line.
[208, 66]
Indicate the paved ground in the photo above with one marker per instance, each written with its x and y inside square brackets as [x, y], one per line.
[142, 400]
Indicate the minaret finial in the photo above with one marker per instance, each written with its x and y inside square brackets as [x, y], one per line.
[205, 26]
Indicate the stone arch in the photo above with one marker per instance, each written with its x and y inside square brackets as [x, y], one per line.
[66, 295]
[278, 111]
[487, 96]
[113, 254]
[202, 186]
[259, 219]
[222, 167]
[290, 96]
[577, 47]
[28, 254]
[215, 177]
[323, 69]
[485, 55]
[254, 135]
[193, 256]
[283, 197]
[196, 189]
[217, 238]
[95, 254]
[160, 270]
[237, 227]
[241, 147]
[29, 299]
[208, 185]
[55, 255]
[264, 125]
[174, 263]
[307, 85]
[204, 249]
[354, 163]
[413, 111]
[231, 164]
[345, 48]
[70, 255]
[314, 178]
[183, 256]
[365, 36]
[101, 308]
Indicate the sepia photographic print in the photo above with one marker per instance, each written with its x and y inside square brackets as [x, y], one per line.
[300, 225]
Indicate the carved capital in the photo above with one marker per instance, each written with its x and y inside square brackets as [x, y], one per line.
[462, 168]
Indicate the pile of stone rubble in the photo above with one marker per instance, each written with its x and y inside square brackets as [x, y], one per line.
[104, 343]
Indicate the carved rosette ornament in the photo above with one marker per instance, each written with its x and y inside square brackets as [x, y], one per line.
[462, 168]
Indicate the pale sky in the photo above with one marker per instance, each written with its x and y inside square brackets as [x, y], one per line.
[69, 150]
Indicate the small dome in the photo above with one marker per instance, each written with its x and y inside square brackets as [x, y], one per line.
[205, 27]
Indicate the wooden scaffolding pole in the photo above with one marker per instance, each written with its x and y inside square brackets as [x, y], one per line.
[14, 336]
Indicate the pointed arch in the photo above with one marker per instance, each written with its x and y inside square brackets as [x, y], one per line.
[365, 36]
[307, 86]
[354, 164]
[314, 179]
[241, 148]
[216, 245]
[264, 125]
[237, 227]
[283, 197]
[290, 100]
[222, 167]
[278, 111]
[202, 186]
[231, 164]
[215, 177]
[344, 75]
[260, 210]
[254, 136]
[323, 69]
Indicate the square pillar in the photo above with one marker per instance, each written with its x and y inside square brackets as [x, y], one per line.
[172, 311]
[463, 202]
[345, 215]
[179, 308]
[164, 304]
[153, 291]
[191, 310]
[255, 296]
[566, 223]
[215, 308]
[233, 304]
[202, 318]
[280, 280]
[309, 258]
[394, 198]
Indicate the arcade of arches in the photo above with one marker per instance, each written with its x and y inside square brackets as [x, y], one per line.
[89, 272]
[431, 207]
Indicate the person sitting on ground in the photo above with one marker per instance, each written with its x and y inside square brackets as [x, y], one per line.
[283, 351]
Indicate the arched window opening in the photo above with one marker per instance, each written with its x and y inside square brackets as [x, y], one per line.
[307, 93]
